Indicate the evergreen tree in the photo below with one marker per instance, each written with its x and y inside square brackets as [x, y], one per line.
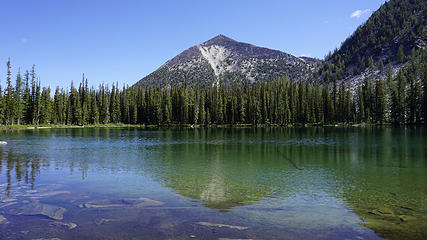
[334, 100]
[400, 55]
[381, 65]
[94, 110]
[19, 104]
[33, 107]
[45, 107]
[361, 104]
[425, 93]
[9, 103]
[398, 100]
[379, 101]
[2, 106]
[413, 98]
[27, 108]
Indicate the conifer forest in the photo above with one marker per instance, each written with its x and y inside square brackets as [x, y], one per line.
[396, 98]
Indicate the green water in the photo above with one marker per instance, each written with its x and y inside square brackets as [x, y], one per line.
[300, 183]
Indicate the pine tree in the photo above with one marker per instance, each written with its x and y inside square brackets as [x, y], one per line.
[398, 99]
[104, 106]
[400, 54]
[84, 96]
[425, 93]
[327, 105]
[32, 104]
[220, 110]
[19, 104]
[27, 100]
[341, 103]
[413, 98]
[9, 103]
[381, 65]
[379, 101]
[292, 102]
[57, 107]
[334, 101]
[202, 111]
[2, 106]
[371, 65]
[45, 107]
[94, 111]
[37, 103]
[361, 104]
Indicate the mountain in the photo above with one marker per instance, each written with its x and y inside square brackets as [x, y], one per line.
[393, 33]
[222, 59]
[389, 36]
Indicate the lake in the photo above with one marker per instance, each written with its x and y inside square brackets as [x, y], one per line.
[290, 183]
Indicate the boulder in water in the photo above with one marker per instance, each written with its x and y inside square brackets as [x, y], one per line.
[7, 204]
[46, 239]
[37, 208]
[124, 202]
[383, 212]
[3, 220]
[406, 218]
[44, 194]
[208, 224]
[63, 224]
[104, 221]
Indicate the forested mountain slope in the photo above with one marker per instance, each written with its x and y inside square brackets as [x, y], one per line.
[390, 35]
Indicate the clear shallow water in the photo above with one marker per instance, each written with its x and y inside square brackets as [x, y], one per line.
[312, 183]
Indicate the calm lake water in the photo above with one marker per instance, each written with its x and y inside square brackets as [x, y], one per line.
[299, 183]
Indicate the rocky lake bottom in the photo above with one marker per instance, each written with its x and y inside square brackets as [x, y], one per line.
[130, 183]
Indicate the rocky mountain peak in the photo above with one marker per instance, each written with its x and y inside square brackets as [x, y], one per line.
[222, 59]
[220, 40]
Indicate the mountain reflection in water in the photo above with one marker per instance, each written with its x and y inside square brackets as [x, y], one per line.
[300, 180]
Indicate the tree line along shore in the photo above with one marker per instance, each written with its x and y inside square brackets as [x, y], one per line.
[394, 99]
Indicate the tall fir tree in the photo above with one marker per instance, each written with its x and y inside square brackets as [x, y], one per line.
[19, 103]
[380, 103]
[9, 100]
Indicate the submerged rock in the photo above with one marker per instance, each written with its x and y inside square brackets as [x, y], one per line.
[37, 208]
[44, 194]
[125, 202]
[46, 239]
[104, 221]
[63, 224]
[384, 212]
[3, 220]
[9, 199]
[406, 218]
[235, 239]
[208, 224]
[7, 204]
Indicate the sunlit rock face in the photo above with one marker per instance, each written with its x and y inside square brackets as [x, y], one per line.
[222, 59]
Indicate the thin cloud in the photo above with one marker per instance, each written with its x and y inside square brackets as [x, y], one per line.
[359, 13]
[305, 55]
[25, 40]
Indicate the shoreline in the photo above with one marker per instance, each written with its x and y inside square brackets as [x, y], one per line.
[193, 126]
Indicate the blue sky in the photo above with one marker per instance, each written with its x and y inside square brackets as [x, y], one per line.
[123, 41]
